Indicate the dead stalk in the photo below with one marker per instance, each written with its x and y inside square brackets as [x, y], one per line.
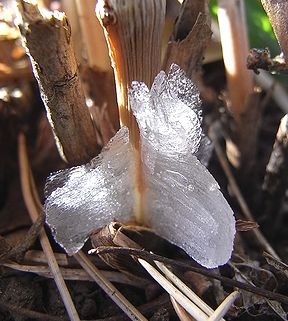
[277, 11]
[96, 71]
[135, 51]
[193, 25]
[242, 102]
[185, 289]
[70, 9]
[78, 274]
[235, 49]
[182, 313]
[154, 257]
[34, 213]
[224, 307]
[92, 36]
[275, 180]
[47, 37]
[236, 191]
[109, 288]
[188, 305]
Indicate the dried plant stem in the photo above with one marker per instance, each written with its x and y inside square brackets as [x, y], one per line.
[236, 191]
[216, 315]
[108, 287]
[96, 72]
[276, 179]
[93, 36]
[133, 32]
[47, 38]
[39, 257]
[192, 25]
[34, 213]
[187, 265]
[183, 315]
[188, 305]
[185, 289]
[224, 307]
[70, 9]
[277, 11]
[267, 82]
[234, 42]
[78, 274]
[246, 114]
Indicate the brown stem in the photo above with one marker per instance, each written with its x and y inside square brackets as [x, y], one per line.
[243, 102]
[48, 41]
[187, 265]
[192, 26]
[234, 42]
[133, 31]
[93, 37]
[277, 11]
[275, 181]
[70, 9]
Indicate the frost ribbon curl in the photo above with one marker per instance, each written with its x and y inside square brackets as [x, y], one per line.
[183, 203]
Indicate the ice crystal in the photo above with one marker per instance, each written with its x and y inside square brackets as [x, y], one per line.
[183, 202]
[85, 197]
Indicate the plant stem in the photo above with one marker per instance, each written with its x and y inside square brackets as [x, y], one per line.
[93, 36]
[33, 211]
[277, 11]
[47, 37]
[276, 180]
[234, 42]
[192, 26]
[108, 287]
[133, 32]
[243, 102]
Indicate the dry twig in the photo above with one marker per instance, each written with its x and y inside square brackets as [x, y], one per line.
[77, 274]
[236, 191]
[33, 210]
[153, 257]
[108, 287]
[277, 11]
[243, 102]
[48, 41]
[188, 305]
[276, 178]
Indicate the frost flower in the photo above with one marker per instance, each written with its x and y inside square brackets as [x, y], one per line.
[182, 201]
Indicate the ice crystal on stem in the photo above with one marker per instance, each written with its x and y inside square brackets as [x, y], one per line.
[182, 200]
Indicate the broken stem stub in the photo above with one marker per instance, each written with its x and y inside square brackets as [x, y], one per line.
[133, 31]
[47, 37]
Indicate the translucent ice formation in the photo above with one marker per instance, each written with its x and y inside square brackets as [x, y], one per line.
[86, 197]
[182, 200]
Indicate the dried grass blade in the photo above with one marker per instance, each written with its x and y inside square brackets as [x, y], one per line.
[189, 306]
[224, 307]
[109, 288]
[185, 289]
[34, 213]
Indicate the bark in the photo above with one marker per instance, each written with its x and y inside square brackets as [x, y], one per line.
[277, 11]
[276, 178]
[48, 42]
